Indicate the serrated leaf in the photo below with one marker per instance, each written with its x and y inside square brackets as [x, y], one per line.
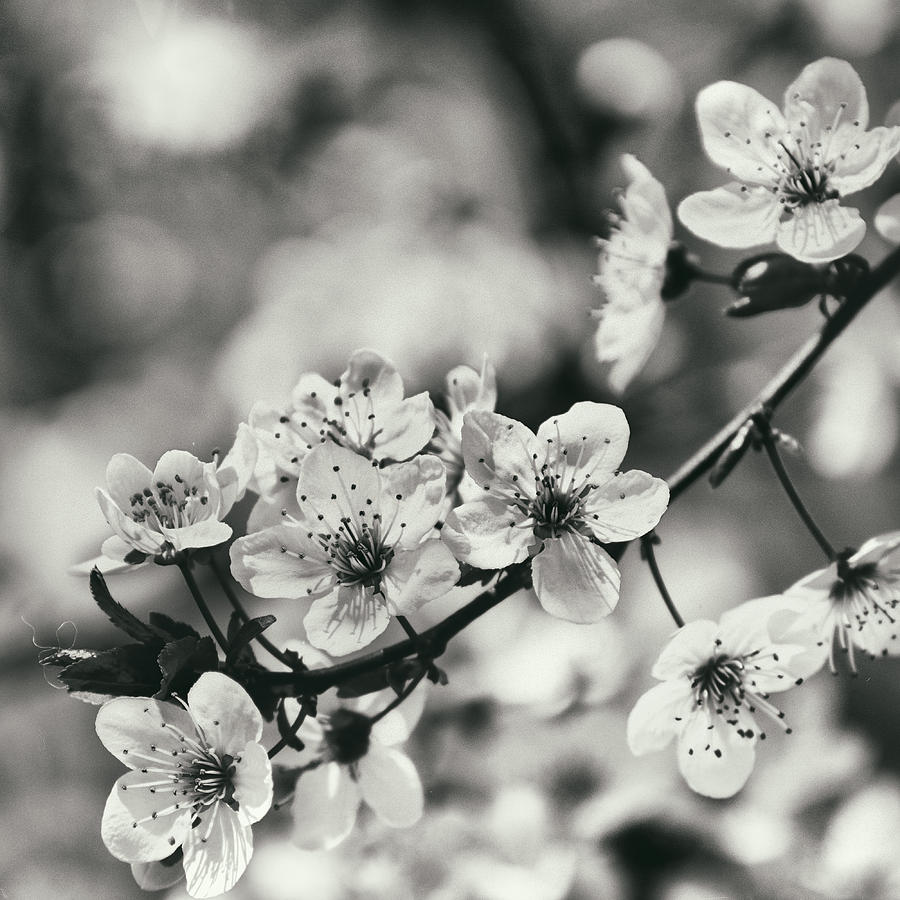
[127, 671]
[118, 615]
[182, 662]
[171, 629]
[239, 644]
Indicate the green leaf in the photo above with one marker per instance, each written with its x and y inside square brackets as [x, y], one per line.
[118, 615]
[239, 640]
[127, 671]
[182, 662]
[171, 629]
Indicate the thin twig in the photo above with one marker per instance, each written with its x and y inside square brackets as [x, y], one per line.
[647, 551]
[201, 605]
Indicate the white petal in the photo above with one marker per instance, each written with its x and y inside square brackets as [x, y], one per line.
[419, 484]
[236, 469]
[129, 725]
[644, 205]
[714, 760]
[732, 216]
[468, 389]
[179, 464]
[398, 724]
[405, 428]
[389, 783]
[139, 843]
[134, 534]
[125, 477]
[324, 807]
[740, 129]
[157, 876]
[877, 548]
[575, 579]
[626, 506]
[370, 373]
[216, 852]
[626, 336]
[262, 567]
[654, 719]
[208, 533]
[488, 534]
[819, 91]
[590, 439]
[820, 232]
[865, 160]
[253, 782]
[887, 219]
[416, 576]
[225, 713]
[691, 646]
[498, 449]
[346, 620]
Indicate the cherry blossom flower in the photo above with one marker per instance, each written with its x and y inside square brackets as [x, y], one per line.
[348, 758]
[714, 678]
[364, 410]
[555, 496]
[632, 269]
[199, 780]
[791, 169]
[466, 390]
[851, 602]
[178, 506]
[359, 548]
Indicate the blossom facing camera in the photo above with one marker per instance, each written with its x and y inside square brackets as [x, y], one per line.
[791, 168]
[851, 603]
[714, 677]
[199, 779]
[351, 758]
[631, 274]
[555, 496]
[360, 547]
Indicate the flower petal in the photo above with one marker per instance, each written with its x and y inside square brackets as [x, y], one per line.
[346, 620]
[283, 561]
[865, 160]
[575, 579]
[236, 469]
[324, 807]
[157, 875]
[739, 128]
[208, 533]
[590, 440]
[627, 336]
[820, 232]
[217, 850]
[691, 645]
[625, 507]
[177, 466]
[644, 205]
[827, 91]
[488, 534]
[405, 428]
[887, 220]
[125, 477]
[467, 389]
[139, 843]
[416, 576]
[732, 216]
[253, 782]
[225, 713]
[139, 537]
[412, 498]
[713, 758]
[398, 724]
[368, 372]
[654, 720]
[136, 725]
[389, 783]
[498, 450]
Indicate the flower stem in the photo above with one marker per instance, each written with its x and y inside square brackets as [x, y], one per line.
[764, 429]
[710, 277]
[281, 743]
[238, 607]
[400, 697]
[649, 555]
[201, 605]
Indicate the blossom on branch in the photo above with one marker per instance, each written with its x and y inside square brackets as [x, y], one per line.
[714, 678]
[555, 496]
[791, 168]
[364, 410]
[359, 548]
[178, 506]
[350, 759]
[199, 780]
[851, 602]
[631, 273]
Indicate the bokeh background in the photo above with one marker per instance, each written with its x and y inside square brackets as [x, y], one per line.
[202, 199]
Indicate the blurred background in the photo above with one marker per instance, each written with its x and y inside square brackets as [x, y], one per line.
[202, 199]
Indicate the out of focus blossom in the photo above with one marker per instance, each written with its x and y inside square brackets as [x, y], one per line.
[178, 506]
[363, 410]
[850, 603]
[199, 780]
[632, 269]
[791, 168]
[466, 390]
[887, 219]
[359, 549]
[855, 29]
[555, 496]
[714, 678]
[351, 756]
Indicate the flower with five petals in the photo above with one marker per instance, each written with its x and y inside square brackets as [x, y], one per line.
[791, 168]
[555, 496]
[359, 548]
[199, 780]
[714, 678]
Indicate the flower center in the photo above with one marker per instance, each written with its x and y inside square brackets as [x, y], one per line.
[359, 553]
[719, 677]
[347, 736]
[167, 505]
[211, 776]
[556, 509]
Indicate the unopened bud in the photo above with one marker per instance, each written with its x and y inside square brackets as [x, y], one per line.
[733, 453]
[775, 281]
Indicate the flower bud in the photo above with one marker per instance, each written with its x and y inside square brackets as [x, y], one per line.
[775, 281]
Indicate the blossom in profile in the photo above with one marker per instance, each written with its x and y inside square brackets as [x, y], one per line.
[360, 547]
[851, 603]
[714, 678]
[363, 410]
[351, 756]
[631, 273]
[466, 390]
[791, 168]
[178, 506]
[555, 496]
[199, 779]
